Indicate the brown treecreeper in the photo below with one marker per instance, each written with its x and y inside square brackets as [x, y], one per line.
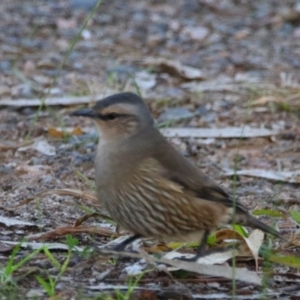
[148, 187]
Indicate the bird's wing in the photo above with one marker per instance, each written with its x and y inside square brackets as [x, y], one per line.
[202, 187]
[210, 192]
[183, 172]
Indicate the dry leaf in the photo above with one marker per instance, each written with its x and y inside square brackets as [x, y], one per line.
[82, 219]
[53, 132]
[265, 100]
[213, 270]
[226, 132]
[35, 246]
[32, 172]
[13, 147]
[175, 68]
[103, 231]
[68, 192]
[135, 269]
[247, 246]
[254, 242]
[227, 234]
[144, 80]
[41, 146]
[58, 132]
[292, 176]
[214, 258]
[56, 101]
[14, 222]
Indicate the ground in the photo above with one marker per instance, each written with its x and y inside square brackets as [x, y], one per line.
[198, 65]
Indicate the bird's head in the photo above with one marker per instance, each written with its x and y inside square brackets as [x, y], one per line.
[119, 116]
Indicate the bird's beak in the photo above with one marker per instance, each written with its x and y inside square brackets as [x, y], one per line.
[85, 112]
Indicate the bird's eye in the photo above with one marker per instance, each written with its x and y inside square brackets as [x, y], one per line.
[112, 116]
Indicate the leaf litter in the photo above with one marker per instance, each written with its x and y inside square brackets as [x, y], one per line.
[14, 222]
[235, 98]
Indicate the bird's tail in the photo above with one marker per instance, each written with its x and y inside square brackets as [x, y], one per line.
[248, 220]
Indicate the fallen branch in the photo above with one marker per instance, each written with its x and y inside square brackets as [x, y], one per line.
[211, 270]
[286, 176]
[55, 101]
[227, 132]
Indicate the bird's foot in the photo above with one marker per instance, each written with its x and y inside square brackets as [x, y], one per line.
[123, 245]
[204, 253]
[195, 257]
[188, 259]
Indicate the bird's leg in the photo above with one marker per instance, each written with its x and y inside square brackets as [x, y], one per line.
[121, 246]
[202, 251]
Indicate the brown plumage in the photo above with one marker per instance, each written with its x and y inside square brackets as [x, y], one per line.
[148, 187]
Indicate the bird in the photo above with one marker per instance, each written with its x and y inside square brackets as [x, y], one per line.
[148, 187]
